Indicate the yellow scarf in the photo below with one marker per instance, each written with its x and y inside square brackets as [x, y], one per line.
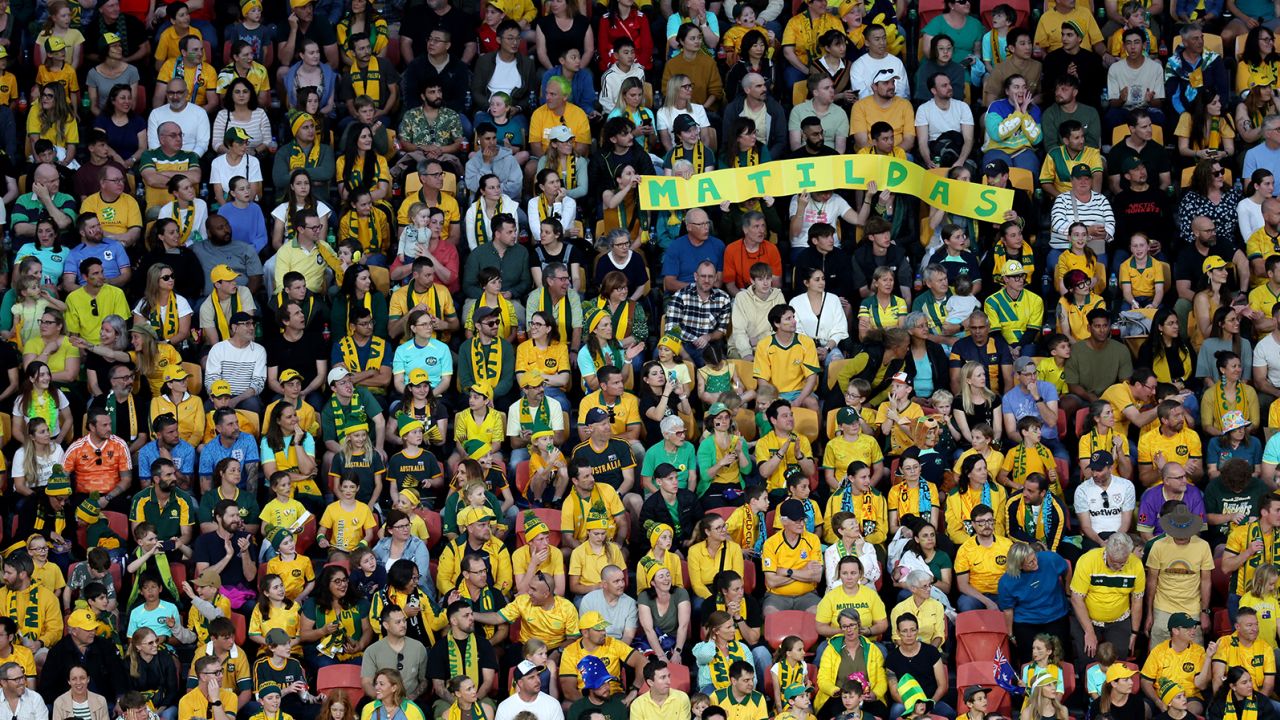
[697, 156]
[483, 367]
[368, 305]
[370, 81]
[569, 178]
[167, 325]
[224, 328]
[559, 310]
[299, 158]
[621, 317]
[482, 230]
[186, 222]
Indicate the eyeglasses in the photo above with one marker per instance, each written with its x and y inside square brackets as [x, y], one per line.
[43, 321]
[215, 673]
[166, 278]
[687, 86]
[1218, 172]
[400, 526]
[490, 323]
[316, 228]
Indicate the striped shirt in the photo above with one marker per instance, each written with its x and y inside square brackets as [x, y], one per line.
[243, 368]
[1067, 210]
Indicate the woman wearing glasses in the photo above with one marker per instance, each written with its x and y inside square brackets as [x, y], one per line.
[54, 349]
[1209, 195]
[161, 307]
[335, 621]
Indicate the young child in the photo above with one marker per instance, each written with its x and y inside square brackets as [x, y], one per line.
[1097, 673]
[415, 238]
[169, 45]
[367, 574]
[1172, 695]
[882, 142]
[942, 401]
[850, 444]
[269, 697]
[98, 532]
[962, 303]
[548, 468]
[1046, 657]
[284, 511]
[56, 69]
[207, 603]
[983, 444]
[409, 503]
[487, 33]
[764, 398]
[251, 30]
[789, 667]
[95, 598]
[582, 90]
[1051, 369]
[512, 129]
[797, 704]
[851, 694]
[474, 494]
[149, 557]
[1135, 16]
[43, 572]
[746, 522]
[718, 378]
[668, 355]
[855, 397]
[995, 44]
[1029, 456]
[697, 703]
[295, 570]
[535, 651]
[744, 20]
[95, 569]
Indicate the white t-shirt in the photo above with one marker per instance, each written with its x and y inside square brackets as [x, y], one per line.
[1249, 214]
[828, 212]
[283, 210]
[667, 116]
[554, 410]
[544, 707]
[506, 76]
[1105, 516]
[1267, 354]
[940, 121]
[221, 171]
[1149, 76]
[44, 465]
[184, 308]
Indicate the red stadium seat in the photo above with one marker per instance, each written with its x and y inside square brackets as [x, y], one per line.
[981, 673]
[723, 512]
[748, 575]
[435, 526]
[978, 634]
[242, 630]
[930, 9]
[791, 622]
[338, 677]
[1062, 422]
[522, 477]
[1023, 8]
[307, 537]
[1082, 420]
[179, 572]
[550, 516]
[680, 677]
[118, 522]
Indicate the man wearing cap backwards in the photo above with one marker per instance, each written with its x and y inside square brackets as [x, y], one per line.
[231, 440]
[100, 295]
[117, 210]
[1179, 564]
[792, 563]
[349, 403]
[1106, 597]
[1181, 660]
[610, 652]
[240, 361]
[108, 675]
[528, 695]
[1015, 312]
[1141, 207]
[476, 537]
[883, 105]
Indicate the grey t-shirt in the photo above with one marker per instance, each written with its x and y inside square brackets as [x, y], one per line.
[621, 616]
[240, 256]
[413, 660]
[104, 84]
[1097, 370]
[668, 622]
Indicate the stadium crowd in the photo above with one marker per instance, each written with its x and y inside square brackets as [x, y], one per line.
[346, 377]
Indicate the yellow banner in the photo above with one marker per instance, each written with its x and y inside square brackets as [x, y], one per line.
[836, 172]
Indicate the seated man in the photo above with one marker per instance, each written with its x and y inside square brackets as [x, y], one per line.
[786, 363]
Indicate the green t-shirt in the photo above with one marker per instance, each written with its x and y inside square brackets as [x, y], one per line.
[1218, 500]
[156, 159]
[363, 404]
[684, 459]
[249, 509]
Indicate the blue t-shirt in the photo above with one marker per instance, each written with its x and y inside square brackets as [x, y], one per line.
[1036, 596]
[1271, 454]
[435, 358]
[247, 225]
[111, 253]
[1020, 404]
[515, 130]
[184, 456]
[1218, 453]
[141, 617]
[681, 259]
[244, 449]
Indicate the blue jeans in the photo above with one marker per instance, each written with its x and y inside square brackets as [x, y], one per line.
[1025, 159]
[968, 602]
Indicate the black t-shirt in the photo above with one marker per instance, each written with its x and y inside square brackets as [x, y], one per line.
[652, 427]
[1084, 65]
[844, 276]
[558, 40]
[301, 355]
[1146, 212]
[417, 26]
[319, 30]
[1190, 265]
[895, 258]
[539, 257]
[438, 656]
[209, 548]
[1153, 157]
[606, 465]
[132, 34]
[454, 77]
[919, 667]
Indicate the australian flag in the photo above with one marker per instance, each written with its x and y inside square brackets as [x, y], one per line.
[1004, 675]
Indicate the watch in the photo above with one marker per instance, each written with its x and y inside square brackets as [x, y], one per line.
[790, 572]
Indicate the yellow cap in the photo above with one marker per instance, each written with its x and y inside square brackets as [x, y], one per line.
[220, 388]
[83, 619]
[175, 372]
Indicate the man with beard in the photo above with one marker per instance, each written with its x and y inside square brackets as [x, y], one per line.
[397, 650]
[821, 105]
[165, 505]
[32, 606]
[1141, 207]
[126, 407]
[618, 150]
[1077, 61]
[223, 249]
[302, 153]
[462, 647]
[431, 130]
[229, 550]
[944, 127]
[813, 141]
[100, 462]
[755, 102]
[378, 80]
[167, 445]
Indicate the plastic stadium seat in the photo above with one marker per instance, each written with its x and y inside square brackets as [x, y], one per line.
[978, 634]
[723, 512]
[929, 9]
[307, 537]
[1082, 420]
[791, 622]
[1062, 422]
[748, 575]
[806, 423]
[435, 526]
[980, 673]
[680, 677]
[242, 632]
[118, 522]
[550, 516]
[341, 676]
[522, 483]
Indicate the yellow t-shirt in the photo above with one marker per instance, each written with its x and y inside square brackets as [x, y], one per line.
[60, 134]
[587, 564]
[295, 573]
[348, 526]
[551, 626]
[1049, 29]
[544, 119]
[1259, 659]
[931, 618]
[167, 46]
[865, 600]
[1180, 667]
[282, 514]
[1092, 442]
[491, 429]
[1183, 446]
[436, 299]
[1142, 281]
[551, 567]
[1219, 129]
[1261, 245]
[613, 653]
[1179, 568]
[984, 564]
[116, 218]
[1268, 610]
[786, 368]
[1120, 396]
[66, 76]
[573, 513]
[8, 91]
[285, 619]
[899, 438]
[1107, 592]
[549, 361]
[770, 444]
[840, 452]
[448, 205]
[200, 80]
[624, 414]
[869, 509]
[194, 705]
[803, 32]
[50, 576]
[777, 556]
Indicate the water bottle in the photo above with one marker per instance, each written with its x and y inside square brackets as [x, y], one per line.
[466, 101]
[586, 234]
[918, 284]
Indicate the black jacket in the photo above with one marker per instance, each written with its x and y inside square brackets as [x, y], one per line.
[655, 508]
[108, 675]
